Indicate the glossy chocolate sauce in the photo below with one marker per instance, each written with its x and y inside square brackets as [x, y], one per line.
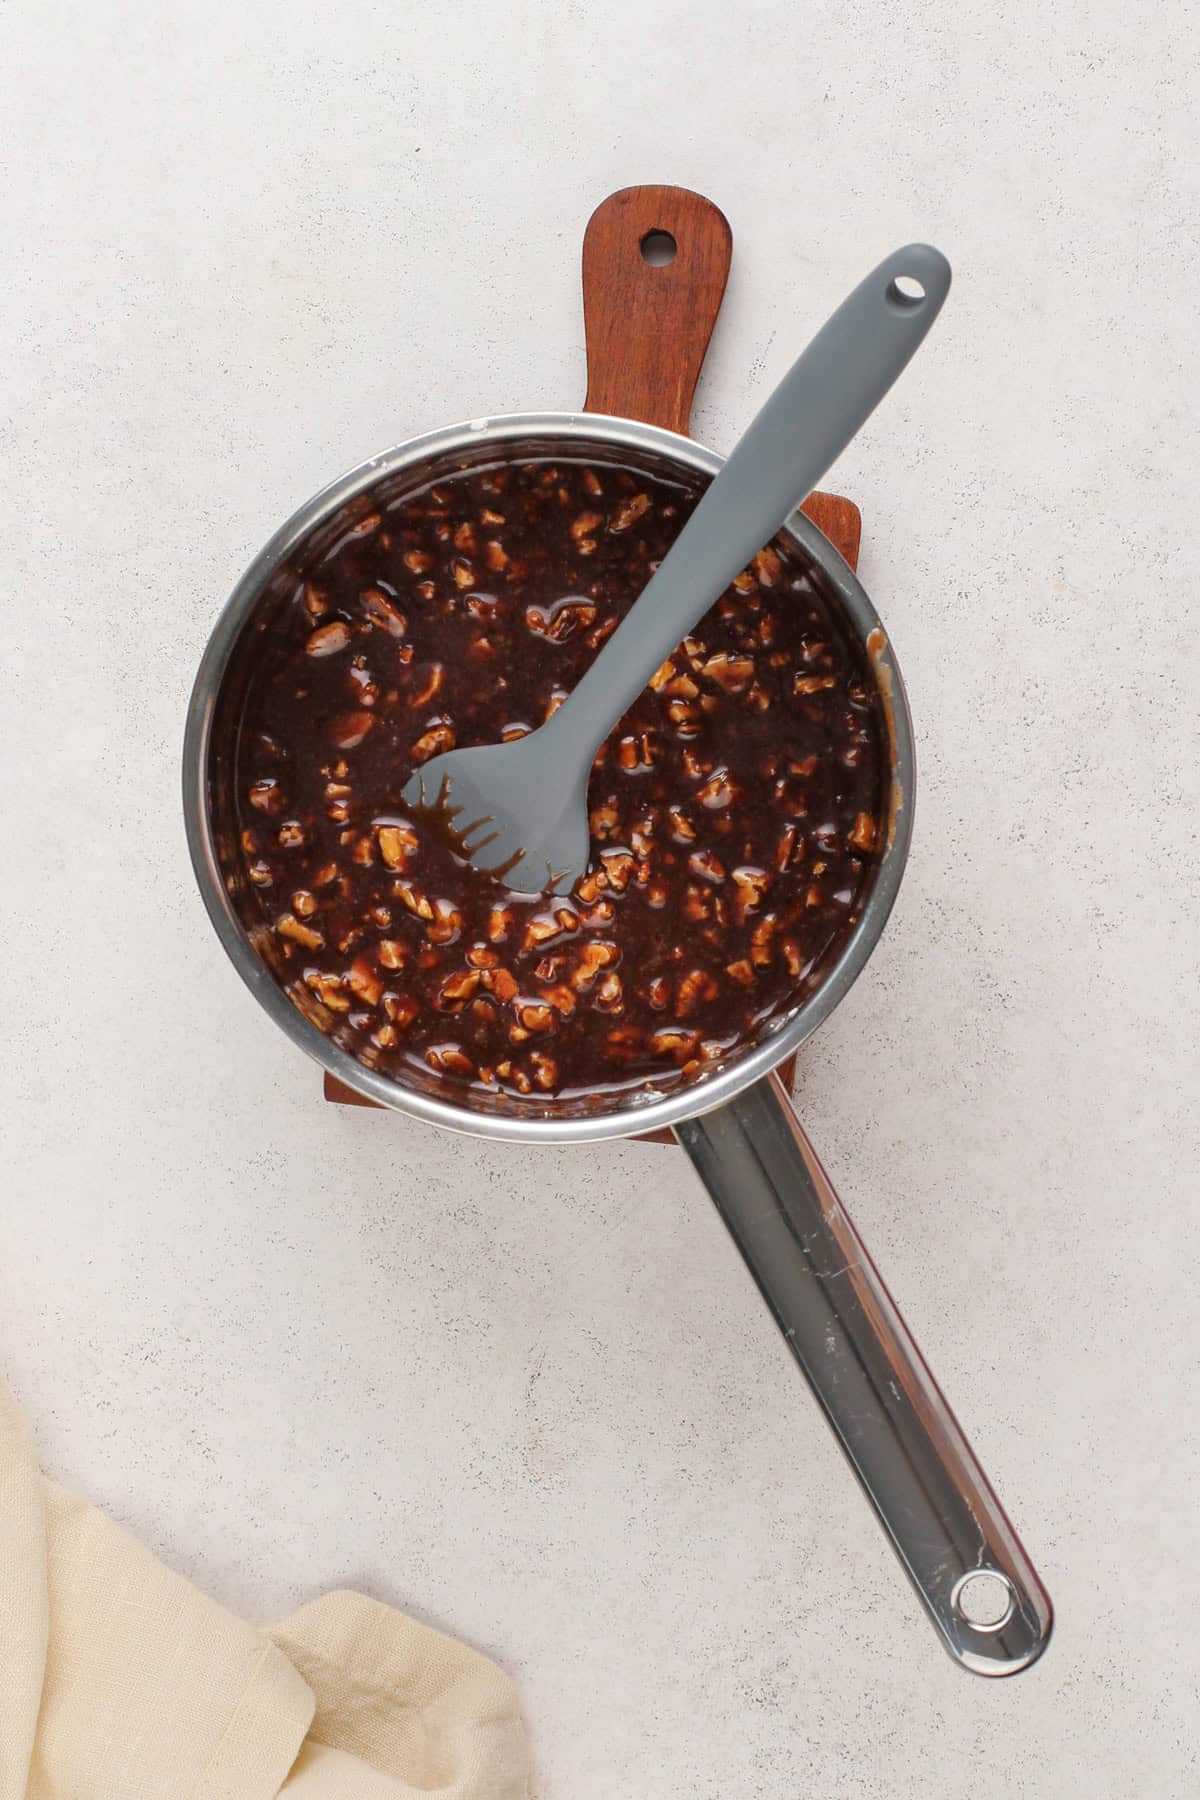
[734, 811]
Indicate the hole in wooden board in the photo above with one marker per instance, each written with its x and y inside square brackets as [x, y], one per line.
[658, 249]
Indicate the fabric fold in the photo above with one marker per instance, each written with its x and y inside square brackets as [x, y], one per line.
[122, 1681]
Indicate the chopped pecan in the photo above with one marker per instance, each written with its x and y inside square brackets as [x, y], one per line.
[733, 673]
[363, 982]
[428, 679]
[449, 1059]
[327, 640]
[447, 923]
[864, 834]
[695, 990]
[328, 989]
[434, 742]
[674, 1040]
[629, 512]
[397, 843]
[290, 927]
[348, 729]
[457, 989]
[384, 612]
[413, 898]
[266, 795]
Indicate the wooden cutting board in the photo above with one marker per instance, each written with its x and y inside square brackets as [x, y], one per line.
[648, 323]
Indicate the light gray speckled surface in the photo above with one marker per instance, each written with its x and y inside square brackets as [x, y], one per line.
[533, 1397]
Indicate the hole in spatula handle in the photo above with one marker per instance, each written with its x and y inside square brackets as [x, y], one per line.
[905, 290]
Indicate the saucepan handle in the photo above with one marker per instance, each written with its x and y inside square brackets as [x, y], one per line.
[900, 1437]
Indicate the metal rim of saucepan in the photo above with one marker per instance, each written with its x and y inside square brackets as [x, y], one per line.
[577, 434]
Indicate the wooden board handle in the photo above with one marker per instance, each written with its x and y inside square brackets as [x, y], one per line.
[647, 326]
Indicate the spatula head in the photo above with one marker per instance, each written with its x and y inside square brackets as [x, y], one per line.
[514, 810]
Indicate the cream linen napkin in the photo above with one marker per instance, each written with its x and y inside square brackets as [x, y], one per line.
[121, 1681]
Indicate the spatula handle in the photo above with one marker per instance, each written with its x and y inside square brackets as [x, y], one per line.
[810, 418]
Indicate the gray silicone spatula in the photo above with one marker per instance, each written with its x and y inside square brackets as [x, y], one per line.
[520, 809]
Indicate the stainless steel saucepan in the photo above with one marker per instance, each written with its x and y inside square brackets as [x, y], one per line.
[648, 326]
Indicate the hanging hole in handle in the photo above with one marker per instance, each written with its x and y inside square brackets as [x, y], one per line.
[905, 290]
[984, 1599]
[658, 248]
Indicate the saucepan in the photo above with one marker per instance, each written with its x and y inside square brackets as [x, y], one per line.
[648, 324]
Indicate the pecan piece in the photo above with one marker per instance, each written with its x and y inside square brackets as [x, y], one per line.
[427, 684]
[290, 927]
[413, 898]
[674, 1040]
[449, 1059]
[717, 791]
[864, 834]
[401, 1009]
[695, 990]
[384, 612]
[595, 955]
[501, 983]
[534, 1017]
[447, 923]
[433, 743]
[767, 567]
[396, 844]
[624, 1043]
[751, 884]
[540, 929]
[560, 998]
[500, 923]
[327, 640]
[562, 621]
[761, 940]
[457, 989]
[328, 989]
[348, 729]
[628, 513]
[733, 673]
[619, 867]
[266, 795]
[603, 819]
[706, 865]
[609, 994]
[363, 982]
